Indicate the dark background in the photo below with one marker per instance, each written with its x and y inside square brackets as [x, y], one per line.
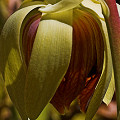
[118, 1]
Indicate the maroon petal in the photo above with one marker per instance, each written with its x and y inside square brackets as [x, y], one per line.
[87, 92]
[28, 37]
[86, 61]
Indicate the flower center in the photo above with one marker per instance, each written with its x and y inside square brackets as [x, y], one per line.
[28, 37]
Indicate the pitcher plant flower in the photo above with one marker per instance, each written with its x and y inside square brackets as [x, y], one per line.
[57, 51]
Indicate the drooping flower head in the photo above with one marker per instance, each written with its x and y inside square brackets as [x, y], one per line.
[56, 52]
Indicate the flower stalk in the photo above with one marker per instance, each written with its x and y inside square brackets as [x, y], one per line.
[113, 26]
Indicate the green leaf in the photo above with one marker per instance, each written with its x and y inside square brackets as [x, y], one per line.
[11, 64]
[104, 79]
[49, 61]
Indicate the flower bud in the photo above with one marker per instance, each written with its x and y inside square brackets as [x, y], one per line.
[55, 53]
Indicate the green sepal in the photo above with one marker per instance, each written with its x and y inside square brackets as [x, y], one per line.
[60, 6]
[105, 78]
[88, 4]
[11, 63]
[105, 8]
[30, 3]
[110, 91]
[45, 113]
[49, 61]
[51, 1]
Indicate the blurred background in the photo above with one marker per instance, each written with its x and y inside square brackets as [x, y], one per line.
[7, 109]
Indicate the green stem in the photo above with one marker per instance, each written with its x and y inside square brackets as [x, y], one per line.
[113, 26]
[116, 67]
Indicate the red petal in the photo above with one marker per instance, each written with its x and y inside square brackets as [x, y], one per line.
[86, 59]
[86, 94]
[28, 37]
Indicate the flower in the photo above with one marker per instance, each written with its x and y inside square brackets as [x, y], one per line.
[56, 52]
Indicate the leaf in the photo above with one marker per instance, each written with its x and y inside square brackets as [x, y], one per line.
[11, 64]
[49, 61]
[104, 79]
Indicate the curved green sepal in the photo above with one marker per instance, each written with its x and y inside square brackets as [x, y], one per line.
[104, 81]
[88, 4]
[51, 1]
[63, 5]
[118, 116]
[30, 3]
[45, 113]
[49, 61]
[105, 8]
[11, 65]
[95, 1]
[110, 91]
